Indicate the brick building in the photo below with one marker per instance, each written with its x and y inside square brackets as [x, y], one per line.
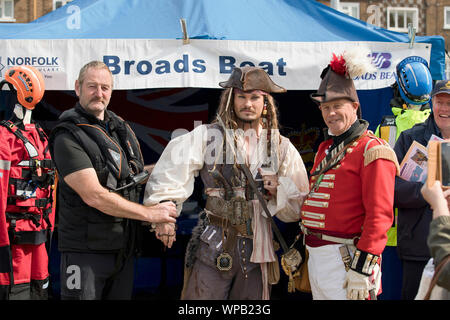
[23, 11]
[428, 17]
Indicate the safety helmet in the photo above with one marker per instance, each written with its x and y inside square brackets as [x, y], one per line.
[28, 83]
[414, 80]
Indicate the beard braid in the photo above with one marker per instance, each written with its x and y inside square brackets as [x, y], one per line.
[244, 121]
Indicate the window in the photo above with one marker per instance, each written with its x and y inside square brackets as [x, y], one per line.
[350, 8]
[399, 18]
[59, 3]
[447, 18]
[7, 11]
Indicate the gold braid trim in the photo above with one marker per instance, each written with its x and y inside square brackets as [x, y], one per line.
[381, 152]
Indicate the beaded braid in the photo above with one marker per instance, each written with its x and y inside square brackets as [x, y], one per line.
[270, 120]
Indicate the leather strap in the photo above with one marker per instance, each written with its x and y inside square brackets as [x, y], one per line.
[263, 204]
[259, 195]
[348, 241]
[220, 222]
[437, 273]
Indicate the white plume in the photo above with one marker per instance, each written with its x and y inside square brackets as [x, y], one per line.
[358, 61]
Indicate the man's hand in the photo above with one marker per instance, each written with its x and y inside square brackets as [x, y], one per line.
[166, 233]
[162, 212]
[270, 182]
[437, 198]
[357, 285]
[149, 167]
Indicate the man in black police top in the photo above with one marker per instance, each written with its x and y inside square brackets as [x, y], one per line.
[101, 172]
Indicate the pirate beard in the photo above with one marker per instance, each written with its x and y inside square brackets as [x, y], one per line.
[242, 121]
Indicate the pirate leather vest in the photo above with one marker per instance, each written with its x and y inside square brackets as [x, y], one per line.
[228, 194]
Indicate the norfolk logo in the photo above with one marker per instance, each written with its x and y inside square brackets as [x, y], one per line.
[42, 63]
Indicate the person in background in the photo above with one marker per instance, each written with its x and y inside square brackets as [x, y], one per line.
[410, 105]
[439, 237]
[414, 213]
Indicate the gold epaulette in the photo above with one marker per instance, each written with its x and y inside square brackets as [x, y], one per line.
[383, 151]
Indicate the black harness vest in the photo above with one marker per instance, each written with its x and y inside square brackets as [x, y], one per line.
[116, 157]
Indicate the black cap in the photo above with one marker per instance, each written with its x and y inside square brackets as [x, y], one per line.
[442, 86]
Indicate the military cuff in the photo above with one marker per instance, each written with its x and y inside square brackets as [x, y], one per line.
[364, 262]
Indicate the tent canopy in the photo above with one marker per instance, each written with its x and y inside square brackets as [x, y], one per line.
[257, 20]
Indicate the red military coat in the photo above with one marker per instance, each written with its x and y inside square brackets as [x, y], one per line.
[355, 197]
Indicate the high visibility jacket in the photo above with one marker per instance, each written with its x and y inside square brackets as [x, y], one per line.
[27, 213]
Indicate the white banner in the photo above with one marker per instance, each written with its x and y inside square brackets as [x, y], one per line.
[142, 63]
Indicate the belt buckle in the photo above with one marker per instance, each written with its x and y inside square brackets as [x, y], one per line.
[355, 240]
[224, 262]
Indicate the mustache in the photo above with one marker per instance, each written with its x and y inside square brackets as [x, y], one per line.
[97, 100]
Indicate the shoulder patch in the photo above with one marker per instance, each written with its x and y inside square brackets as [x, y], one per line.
[382, 151]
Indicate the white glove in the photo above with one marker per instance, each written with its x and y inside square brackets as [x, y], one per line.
[357, 285]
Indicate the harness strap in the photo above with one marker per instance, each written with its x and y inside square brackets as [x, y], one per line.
[38, 203]
[31, 149]
[45, 164]
[14, 216]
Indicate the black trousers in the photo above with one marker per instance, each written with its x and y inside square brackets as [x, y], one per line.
[34, 290]
[412, 273]
[93, 276]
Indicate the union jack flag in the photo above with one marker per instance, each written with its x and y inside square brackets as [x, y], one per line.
[153, 114]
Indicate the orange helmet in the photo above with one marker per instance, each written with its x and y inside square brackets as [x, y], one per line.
[29, 84]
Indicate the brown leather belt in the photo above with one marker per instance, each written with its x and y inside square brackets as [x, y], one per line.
[224, 223]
